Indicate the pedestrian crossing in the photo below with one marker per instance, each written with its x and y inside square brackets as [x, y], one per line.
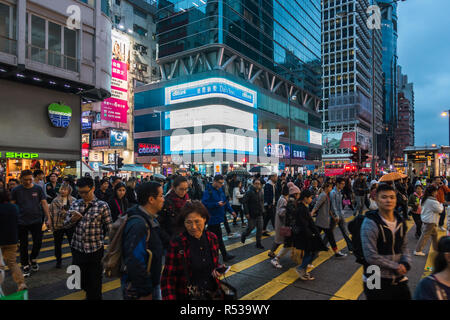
[253, 275]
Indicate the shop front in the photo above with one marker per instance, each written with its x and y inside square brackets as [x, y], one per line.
[39, 130]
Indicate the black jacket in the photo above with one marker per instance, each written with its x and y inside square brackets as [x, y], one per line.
[254, 203]
[131, 196]
[306, 236]
[118, 207]
[9, 219]
[360, 188]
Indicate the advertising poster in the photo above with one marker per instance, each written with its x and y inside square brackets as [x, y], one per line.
[339, 140]
[118, 139]
[115, 108]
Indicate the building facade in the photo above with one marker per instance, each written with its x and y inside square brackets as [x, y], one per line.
[233, 65]
[348, 49]
[50, 60]
[108, 125]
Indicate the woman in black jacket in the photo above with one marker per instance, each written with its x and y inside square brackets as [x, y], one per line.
[306, 236]
[131, 193]
[119, 202]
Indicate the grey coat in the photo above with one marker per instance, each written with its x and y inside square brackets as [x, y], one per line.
[323, 219]
[280, 218]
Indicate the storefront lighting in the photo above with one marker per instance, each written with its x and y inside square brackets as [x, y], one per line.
[80, 89]
[121, 26]
[36, 79]
[2, 70]
[202, 1]
[195, 4]
[67, 86]
[20, 75]
[130, 31]
[52, 82]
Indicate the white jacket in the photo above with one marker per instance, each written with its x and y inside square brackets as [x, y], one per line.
[431, 210]
[236, 196]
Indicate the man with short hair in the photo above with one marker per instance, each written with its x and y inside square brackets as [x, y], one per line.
[384, 244]
[38, 176]
[92, 221]
[338, 210]
[31, 200]
[270, 202]
[12, 183]
[216, 202]
[254, 208]
[136, 282]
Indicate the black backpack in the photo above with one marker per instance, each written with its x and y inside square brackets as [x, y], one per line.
[354, 227]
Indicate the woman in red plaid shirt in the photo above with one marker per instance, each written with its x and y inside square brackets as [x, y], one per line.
[192, 258]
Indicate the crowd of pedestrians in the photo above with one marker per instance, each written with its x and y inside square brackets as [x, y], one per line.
[170, 228]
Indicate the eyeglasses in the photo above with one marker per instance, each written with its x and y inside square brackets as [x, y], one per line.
[85, 192]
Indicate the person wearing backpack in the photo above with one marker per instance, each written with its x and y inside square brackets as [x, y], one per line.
[384, 244]
[142, 246]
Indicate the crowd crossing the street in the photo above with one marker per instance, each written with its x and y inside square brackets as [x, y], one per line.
[233, 236]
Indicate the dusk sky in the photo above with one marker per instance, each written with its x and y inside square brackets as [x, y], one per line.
[424, 54]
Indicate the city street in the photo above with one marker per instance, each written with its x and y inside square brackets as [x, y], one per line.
[251, 273]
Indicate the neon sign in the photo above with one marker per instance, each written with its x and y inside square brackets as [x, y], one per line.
[145, 148]
[18, 155]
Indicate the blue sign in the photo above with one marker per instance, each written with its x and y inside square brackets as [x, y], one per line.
[299, 152]
[211, 88]
[118, 139]
[95, 165]
[86, 125]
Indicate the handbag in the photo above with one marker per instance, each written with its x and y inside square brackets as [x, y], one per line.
[285, 231]
[225, 291]
[346, 202]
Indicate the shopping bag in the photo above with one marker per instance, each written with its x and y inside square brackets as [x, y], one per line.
[21, 295]
[297, 256]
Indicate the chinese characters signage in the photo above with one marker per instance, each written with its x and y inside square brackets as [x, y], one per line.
[115, 108]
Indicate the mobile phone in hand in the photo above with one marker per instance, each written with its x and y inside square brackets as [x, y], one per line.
[223, 269]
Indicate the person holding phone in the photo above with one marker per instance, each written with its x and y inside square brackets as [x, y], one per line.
[192, 269]
[58, 211]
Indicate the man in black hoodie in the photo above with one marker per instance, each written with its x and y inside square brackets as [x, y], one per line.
[254, 208]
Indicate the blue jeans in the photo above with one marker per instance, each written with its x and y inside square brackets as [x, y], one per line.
[157, 293]
[307, 259]
[359, 204]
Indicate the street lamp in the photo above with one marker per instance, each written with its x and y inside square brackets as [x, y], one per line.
[160, 138]
[290, 98]
[447, 114]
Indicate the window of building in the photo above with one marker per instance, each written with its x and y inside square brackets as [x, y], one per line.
[118, 2]
[139, 13]
[139, 30]
[7, 29]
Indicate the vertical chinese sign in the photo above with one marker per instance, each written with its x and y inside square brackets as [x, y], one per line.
[115, 108]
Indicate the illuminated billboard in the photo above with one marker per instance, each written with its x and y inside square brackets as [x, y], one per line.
[210, 88]
[211, 115]
[314, 137]
[210, 141]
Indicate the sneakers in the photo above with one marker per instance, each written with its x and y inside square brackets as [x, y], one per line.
[419, 253]
[34, 266]
[442, 228]
[340, 254]
[303, 275]
[244, 225]
[243, 238]
[271, 255]
[265, 233]
[228, 257]
[234, 235]
[26, 271]
[259, 246]
[276, 263]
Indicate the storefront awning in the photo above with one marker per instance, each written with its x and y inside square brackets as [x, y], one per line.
[134, 168]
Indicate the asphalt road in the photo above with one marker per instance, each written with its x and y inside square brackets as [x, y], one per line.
[251, 273]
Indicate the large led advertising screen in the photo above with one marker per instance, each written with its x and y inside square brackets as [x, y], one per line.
[211, 115]
[210, 88]
[210, 141]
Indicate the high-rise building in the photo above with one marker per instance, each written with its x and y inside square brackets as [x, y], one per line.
[108, 128]
[348, 77]
[404, 131]
[50, 61]
[390, 90]
[234, 64]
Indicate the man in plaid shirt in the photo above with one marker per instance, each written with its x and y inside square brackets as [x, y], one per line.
[92, 221]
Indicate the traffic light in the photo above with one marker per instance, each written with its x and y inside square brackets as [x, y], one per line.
[244, 161]
[355, 154]
[119, 162]
[364, 155]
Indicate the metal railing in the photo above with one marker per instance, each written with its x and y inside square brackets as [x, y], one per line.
[52, 58]
[8, 45]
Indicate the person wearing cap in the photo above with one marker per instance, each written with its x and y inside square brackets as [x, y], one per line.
[437, 285]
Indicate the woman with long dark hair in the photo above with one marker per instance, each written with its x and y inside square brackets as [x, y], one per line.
[431, 210]
[437, 285]
[119, 202]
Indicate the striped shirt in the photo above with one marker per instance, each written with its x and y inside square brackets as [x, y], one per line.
[91, 229]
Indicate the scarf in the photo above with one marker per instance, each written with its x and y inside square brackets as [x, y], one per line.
[175, 201]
